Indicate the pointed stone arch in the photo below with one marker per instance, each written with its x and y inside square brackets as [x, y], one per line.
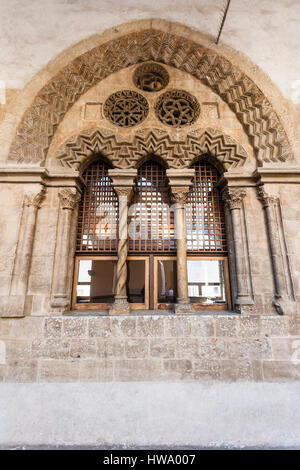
[127, 154]
[40, 121]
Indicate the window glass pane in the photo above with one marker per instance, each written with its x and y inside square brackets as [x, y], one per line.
[96, 281]
[206, 284]
[136, 281]
[167, 292]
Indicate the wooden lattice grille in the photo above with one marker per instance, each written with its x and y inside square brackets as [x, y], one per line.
[151, 223]
[204, 212]
[98, 212]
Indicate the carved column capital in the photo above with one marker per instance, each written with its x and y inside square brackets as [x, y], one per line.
[124, 192]
[69, 198]
[267, 200]
[180, 182]
[179, 194]
[233, 197]
[34, 199]
[123, 182]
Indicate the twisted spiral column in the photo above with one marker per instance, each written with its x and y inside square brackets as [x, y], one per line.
[123, 182]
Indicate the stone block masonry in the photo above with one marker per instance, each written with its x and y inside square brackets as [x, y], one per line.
[160, 348]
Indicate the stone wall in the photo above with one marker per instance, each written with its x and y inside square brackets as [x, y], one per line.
[150, 348]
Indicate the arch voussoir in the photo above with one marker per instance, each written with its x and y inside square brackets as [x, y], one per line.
[127, 154]
[255, 112]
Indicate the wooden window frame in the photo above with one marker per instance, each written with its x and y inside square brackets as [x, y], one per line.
[88, 306]
[228, 304]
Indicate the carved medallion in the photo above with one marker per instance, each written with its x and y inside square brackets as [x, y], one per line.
[151, 77]
[177, 108]
[126, 108]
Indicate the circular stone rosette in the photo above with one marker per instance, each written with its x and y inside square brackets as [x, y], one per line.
[126, 108]
[151, 77]
[177, 108]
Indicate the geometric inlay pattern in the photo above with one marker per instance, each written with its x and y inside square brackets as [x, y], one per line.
[177, 108]
[176, 153]
[151, 77]
[126, 108]
[40, 121]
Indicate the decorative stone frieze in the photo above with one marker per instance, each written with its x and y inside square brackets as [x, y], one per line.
[176, 153]
[252, 108]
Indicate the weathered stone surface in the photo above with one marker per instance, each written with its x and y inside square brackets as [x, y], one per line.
[137, 348]
[178, 369]
[177, 326]
[21, 370]
[74, 327]
[163, 348]
[150, 326]
[83, 348]
[226, 326]
[138, 369]
[53, 327]
[111, 348]
[53, 348]
[255, 349]
[58, 371]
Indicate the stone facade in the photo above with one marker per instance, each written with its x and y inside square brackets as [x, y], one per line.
[160, 348]
[61, 130]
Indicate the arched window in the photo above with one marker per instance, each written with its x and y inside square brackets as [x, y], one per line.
[98, 212]
[96, 241]
[151, 226]
[208, 278]
[204, 212]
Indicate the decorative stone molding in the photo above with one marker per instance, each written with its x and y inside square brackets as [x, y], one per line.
[176, 153]
[233, 198]
[270, 205]
[18, 297]
[266, 199]
[126, 108]
[39, 123]
[69, 198]
[123, 183]
[33, 199]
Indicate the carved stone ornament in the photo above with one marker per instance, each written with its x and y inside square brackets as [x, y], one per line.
[126, 108]
[266, 199]
[176, 153]
[151, 77]
[179, 194]
[35, 199]
[69, 198]
[177, 108]
[233, 197]
[40, 121]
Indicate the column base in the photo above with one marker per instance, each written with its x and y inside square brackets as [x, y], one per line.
[120, 307]
[12, 306]
[244, 305]
[60, 302]
[184, 308]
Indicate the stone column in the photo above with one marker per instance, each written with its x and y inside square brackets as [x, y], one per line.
[123, 183]
[32, 202]
[233, 198]
[269, 204]
[69, 198]
[180, 182]
[18, 303]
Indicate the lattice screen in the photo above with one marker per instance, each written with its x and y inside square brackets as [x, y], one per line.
[204, 212]
[151, 226]
[98, 212]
